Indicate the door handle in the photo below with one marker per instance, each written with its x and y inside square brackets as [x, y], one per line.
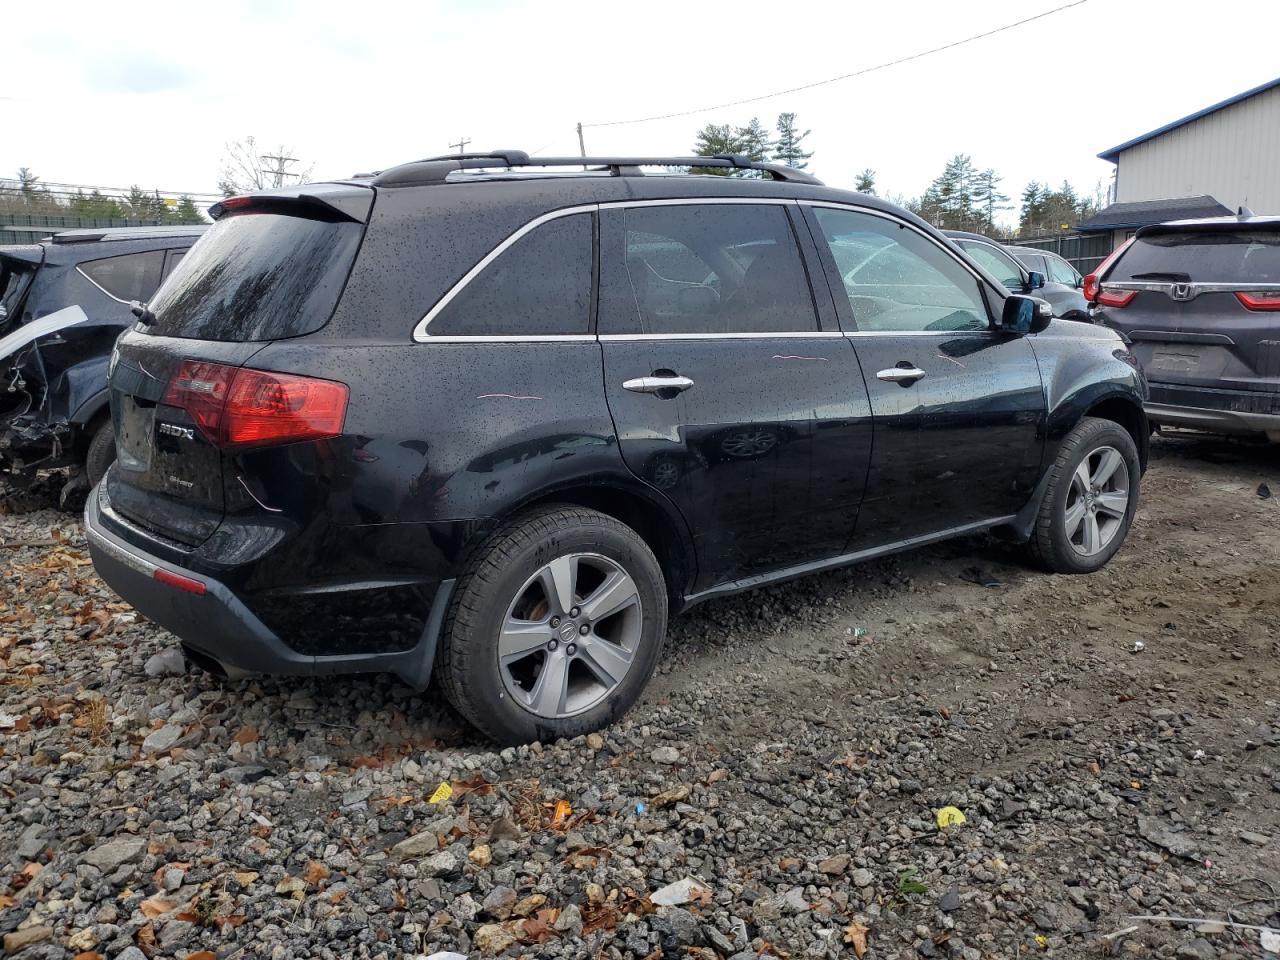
[657, 384]
[903, 375]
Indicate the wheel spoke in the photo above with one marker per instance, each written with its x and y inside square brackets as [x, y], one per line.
[519, 638]
[616, 593]
[552, 687]
[1081, 478]
[1111, 462]
[1092, 536]
[1073, 518]
[1116, 504]
[558, 579]
[608, 661]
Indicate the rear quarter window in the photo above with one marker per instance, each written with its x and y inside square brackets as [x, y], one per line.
[258, 276]
[133, 276]
[1245, 256]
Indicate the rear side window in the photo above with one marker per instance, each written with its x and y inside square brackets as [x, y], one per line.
[257, 276]
[539, 286]
[1246, 256]
[716, 268]
[15, 278]
[1061, 271]
[133, 276]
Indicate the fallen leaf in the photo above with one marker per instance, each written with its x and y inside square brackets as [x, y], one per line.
[6, 901]
[146, 937]
[202, 955]
[88, 955]
[316, 872]
[564, 810]
[232, 921]
[855, 934]
[245, 877]
[668, 797]
[246, 735]
[715, 776]
[156, 907]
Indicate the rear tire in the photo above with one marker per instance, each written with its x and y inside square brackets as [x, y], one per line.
[1090, 501]
[101, 453]
[555, 627]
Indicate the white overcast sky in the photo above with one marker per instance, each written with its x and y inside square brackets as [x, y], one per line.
[149, 93]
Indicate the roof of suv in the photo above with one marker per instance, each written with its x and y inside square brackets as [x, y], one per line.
[91, 234]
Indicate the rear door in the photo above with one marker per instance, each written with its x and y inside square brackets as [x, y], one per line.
[957, 405]
[259, 274]
[728, 393]
[1202, 307]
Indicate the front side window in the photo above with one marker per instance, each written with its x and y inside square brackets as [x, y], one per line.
[1062, 272]
[716, 269]
[134, 276]
[896, 279]
[996, 262]
[539, 286]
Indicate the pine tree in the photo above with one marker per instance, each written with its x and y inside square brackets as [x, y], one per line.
[866, 182]
[787, 148]
[714, 139]
[754, 140]
[187, 211]
[990, 201]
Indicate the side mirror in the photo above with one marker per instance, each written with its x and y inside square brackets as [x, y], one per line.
[1024, 315]
[1036, 282]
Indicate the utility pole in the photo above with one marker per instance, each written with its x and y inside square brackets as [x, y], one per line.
[582, 146]
[461, 144]
[279, 173]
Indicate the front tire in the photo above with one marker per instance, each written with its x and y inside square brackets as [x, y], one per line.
[1090, 501]
[555, 627]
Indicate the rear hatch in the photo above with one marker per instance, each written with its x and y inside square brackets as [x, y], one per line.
[272, 267]
[1201, 303]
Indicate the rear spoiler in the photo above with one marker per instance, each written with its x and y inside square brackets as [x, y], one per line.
[1215, 225]
[343, 201]
[29, 253]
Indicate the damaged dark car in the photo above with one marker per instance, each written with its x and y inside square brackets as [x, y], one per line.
[63, 303]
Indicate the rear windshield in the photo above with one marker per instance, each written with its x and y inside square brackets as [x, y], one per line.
[257, 276]
[1210, 257]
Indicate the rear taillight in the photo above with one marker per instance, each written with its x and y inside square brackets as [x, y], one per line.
[1093, 282]
[1262, 302]
[240, 407]
[1121, 298]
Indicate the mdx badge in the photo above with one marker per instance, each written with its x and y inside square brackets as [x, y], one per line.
[173, 430]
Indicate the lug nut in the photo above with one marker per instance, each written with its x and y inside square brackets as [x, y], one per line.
[555, 622]
[553, 644]
[571, 649]
[584, 629]
[574, 612]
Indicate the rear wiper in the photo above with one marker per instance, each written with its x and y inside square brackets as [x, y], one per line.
[139, 310]
[1163, 275]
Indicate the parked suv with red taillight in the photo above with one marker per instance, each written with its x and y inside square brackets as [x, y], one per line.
[1200, 302]
[478, 418]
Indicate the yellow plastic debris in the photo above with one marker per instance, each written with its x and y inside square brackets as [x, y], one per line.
[443, 793]
[950, 817]
[1042, 941]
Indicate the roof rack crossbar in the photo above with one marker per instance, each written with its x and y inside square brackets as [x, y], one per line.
[438, 169]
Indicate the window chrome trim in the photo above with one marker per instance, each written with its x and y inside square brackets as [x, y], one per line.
[791, 335]
[496, 338]
[420, 334]
[986, 331]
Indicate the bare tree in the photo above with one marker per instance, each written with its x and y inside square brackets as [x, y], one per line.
[247, 167]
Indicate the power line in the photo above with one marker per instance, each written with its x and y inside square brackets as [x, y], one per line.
[12, 182]
[846, 76]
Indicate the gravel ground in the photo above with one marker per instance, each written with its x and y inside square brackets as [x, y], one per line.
[1112, 742]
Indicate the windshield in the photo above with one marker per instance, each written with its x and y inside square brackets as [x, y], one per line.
[996, 262]
[1246, 256]
[257, 276]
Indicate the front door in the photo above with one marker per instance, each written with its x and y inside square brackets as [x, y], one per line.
[958, 406]
[726, 393]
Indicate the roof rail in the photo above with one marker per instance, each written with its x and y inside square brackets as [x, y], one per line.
[438, 169]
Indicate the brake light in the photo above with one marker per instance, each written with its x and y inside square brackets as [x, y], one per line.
[1093, 282]
[241, 407]
[186, 584]
[1264, 302]
[1108, 298]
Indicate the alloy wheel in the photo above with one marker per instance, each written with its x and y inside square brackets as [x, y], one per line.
[570, 636]
[1098, 501]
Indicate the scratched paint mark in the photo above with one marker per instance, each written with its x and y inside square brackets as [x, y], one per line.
[953, 360]
[504, 396]
[792, 356]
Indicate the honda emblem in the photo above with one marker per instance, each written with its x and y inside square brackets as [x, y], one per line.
[1181, 291]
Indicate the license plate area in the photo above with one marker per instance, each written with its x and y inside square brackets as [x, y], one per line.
[1182, 360]
[135, 436]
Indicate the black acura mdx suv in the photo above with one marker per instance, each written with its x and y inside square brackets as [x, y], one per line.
[493, 418]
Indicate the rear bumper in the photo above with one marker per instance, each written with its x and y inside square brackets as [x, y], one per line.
[216, 625]
[1217, 411]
